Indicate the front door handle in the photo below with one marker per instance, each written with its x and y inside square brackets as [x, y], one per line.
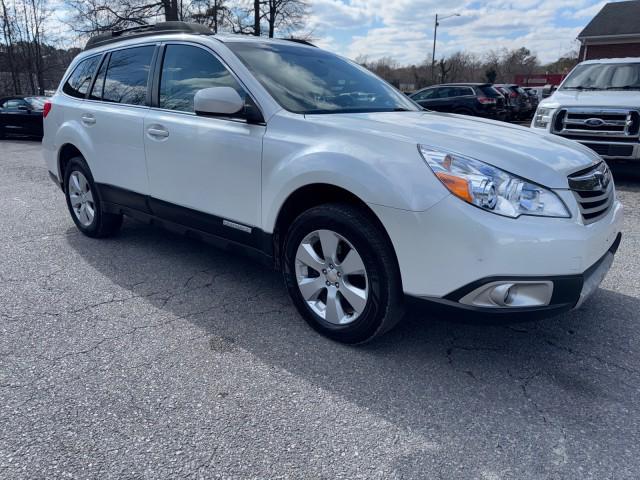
[88, 119]
[157, 132]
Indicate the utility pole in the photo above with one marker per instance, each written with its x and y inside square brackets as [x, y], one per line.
[435, 33]
[433, 55]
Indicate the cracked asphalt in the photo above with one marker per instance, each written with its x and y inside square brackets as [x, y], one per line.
[151, 356]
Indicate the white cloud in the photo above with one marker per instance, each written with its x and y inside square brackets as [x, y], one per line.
[403, 29]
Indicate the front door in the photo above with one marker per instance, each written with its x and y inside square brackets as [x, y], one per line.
[207, 165]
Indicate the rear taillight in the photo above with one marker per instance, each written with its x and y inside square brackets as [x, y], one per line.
[513, 94]
[46, 109]
[487, 100]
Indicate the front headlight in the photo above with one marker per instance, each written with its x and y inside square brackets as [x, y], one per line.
[490, 188]
[542, 118]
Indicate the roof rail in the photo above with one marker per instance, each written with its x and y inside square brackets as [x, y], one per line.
[146, 30]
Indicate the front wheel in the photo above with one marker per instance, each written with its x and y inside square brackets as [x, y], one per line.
[341, 273]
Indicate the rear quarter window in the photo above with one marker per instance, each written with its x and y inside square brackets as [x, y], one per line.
[489, 92]
[79, 81]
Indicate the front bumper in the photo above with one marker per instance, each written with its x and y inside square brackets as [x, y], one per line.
[454, 245]
[569, 292]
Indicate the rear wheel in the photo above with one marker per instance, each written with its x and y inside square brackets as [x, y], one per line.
[341, 273]
[83, 201]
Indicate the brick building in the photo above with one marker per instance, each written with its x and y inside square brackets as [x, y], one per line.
[613, 33]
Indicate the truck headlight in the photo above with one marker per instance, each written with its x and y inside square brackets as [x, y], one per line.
[491, 188]
[542, 118]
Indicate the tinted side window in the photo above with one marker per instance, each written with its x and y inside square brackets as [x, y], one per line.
[12, 104]
[79, 81]
[127, 76]
[424, 95]
[455, 92]
[187, 69]
[490, 92]
[444, 92]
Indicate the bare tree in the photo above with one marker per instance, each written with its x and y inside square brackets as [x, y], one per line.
[257, 17]
[285, 15]
[212, 13]
[90, 16]
[9, 40]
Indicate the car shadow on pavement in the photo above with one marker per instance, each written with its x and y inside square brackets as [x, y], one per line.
[547, 377]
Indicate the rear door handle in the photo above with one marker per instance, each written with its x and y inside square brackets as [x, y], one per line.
[88, 119]
[157, 132]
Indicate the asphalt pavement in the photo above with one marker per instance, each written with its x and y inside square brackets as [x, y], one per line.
[154, 356]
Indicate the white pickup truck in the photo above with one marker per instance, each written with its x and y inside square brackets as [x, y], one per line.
[598, 104]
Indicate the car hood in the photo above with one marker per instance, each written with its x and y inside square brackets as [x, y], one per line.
[594, 98]
[542, 158]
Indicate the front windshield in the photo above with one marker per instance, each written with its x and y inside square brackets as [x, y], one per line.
[608, 76]
[310, 80]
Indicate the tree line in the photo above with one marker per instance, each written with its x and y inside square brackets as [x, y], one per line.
[33, 58]
[498, 66]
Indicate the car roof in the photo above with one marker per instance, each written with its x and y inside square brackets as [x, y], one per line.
[611, 60]
[465, 84]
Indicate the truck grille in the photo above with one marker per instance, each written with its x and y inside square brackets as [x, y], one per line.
[597, 124]
[593, 189]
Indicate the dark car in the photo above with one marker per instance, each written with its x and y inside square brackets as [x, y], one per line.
[477, 99]
[533, 95]
[21, 115]
[520, 100]
[510, 105]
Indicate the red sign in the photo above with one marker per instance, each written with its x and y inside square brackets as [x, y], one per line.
[539, 79]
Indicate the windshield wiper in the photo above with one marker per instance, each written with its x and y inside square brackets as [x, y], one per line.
[580, 87]
[624, 87]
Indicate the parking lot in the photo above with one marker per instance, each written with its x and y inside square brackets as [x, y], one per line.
[150, 355]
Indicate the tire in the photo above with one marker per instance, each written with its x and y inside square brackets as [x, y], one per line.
[98, 224]
[378, 302]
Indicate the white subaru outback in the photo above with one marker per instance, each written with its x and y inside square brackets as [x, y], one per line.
[303, 158]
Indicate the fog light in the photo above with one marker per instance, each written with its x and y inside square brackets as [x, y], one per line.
[511, 294]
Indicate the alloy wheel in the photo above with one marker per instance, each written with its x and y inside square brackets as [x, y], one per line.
[81, 198]
[331, 277]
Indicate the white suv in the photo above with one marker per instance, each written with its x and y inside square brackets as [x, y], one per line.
[320, 168]
[598, 105]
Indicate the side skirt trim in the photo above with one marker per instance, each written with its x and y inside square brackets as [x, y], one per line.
[195, 224]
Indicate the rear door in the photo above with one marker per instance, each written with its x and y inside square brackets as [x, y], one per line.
[443, 101]
[112, 117]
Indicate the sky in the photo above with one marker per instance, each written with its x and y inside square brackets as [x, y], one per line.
[403, 29]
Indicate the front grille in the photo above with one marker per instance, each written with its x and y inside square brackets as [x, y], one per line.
[593, 189]
[598, 124]
[609, 150]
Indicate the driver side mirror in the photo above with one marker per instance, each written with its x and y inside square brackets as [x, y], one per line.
[225, 102]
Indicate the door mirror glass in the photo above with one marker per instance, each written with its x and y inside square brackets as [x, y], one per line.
[224, 101]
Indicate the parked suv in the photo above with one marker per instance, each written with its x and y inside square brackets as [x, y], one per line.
[477, 99]
[598, 105]
[318, 167]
